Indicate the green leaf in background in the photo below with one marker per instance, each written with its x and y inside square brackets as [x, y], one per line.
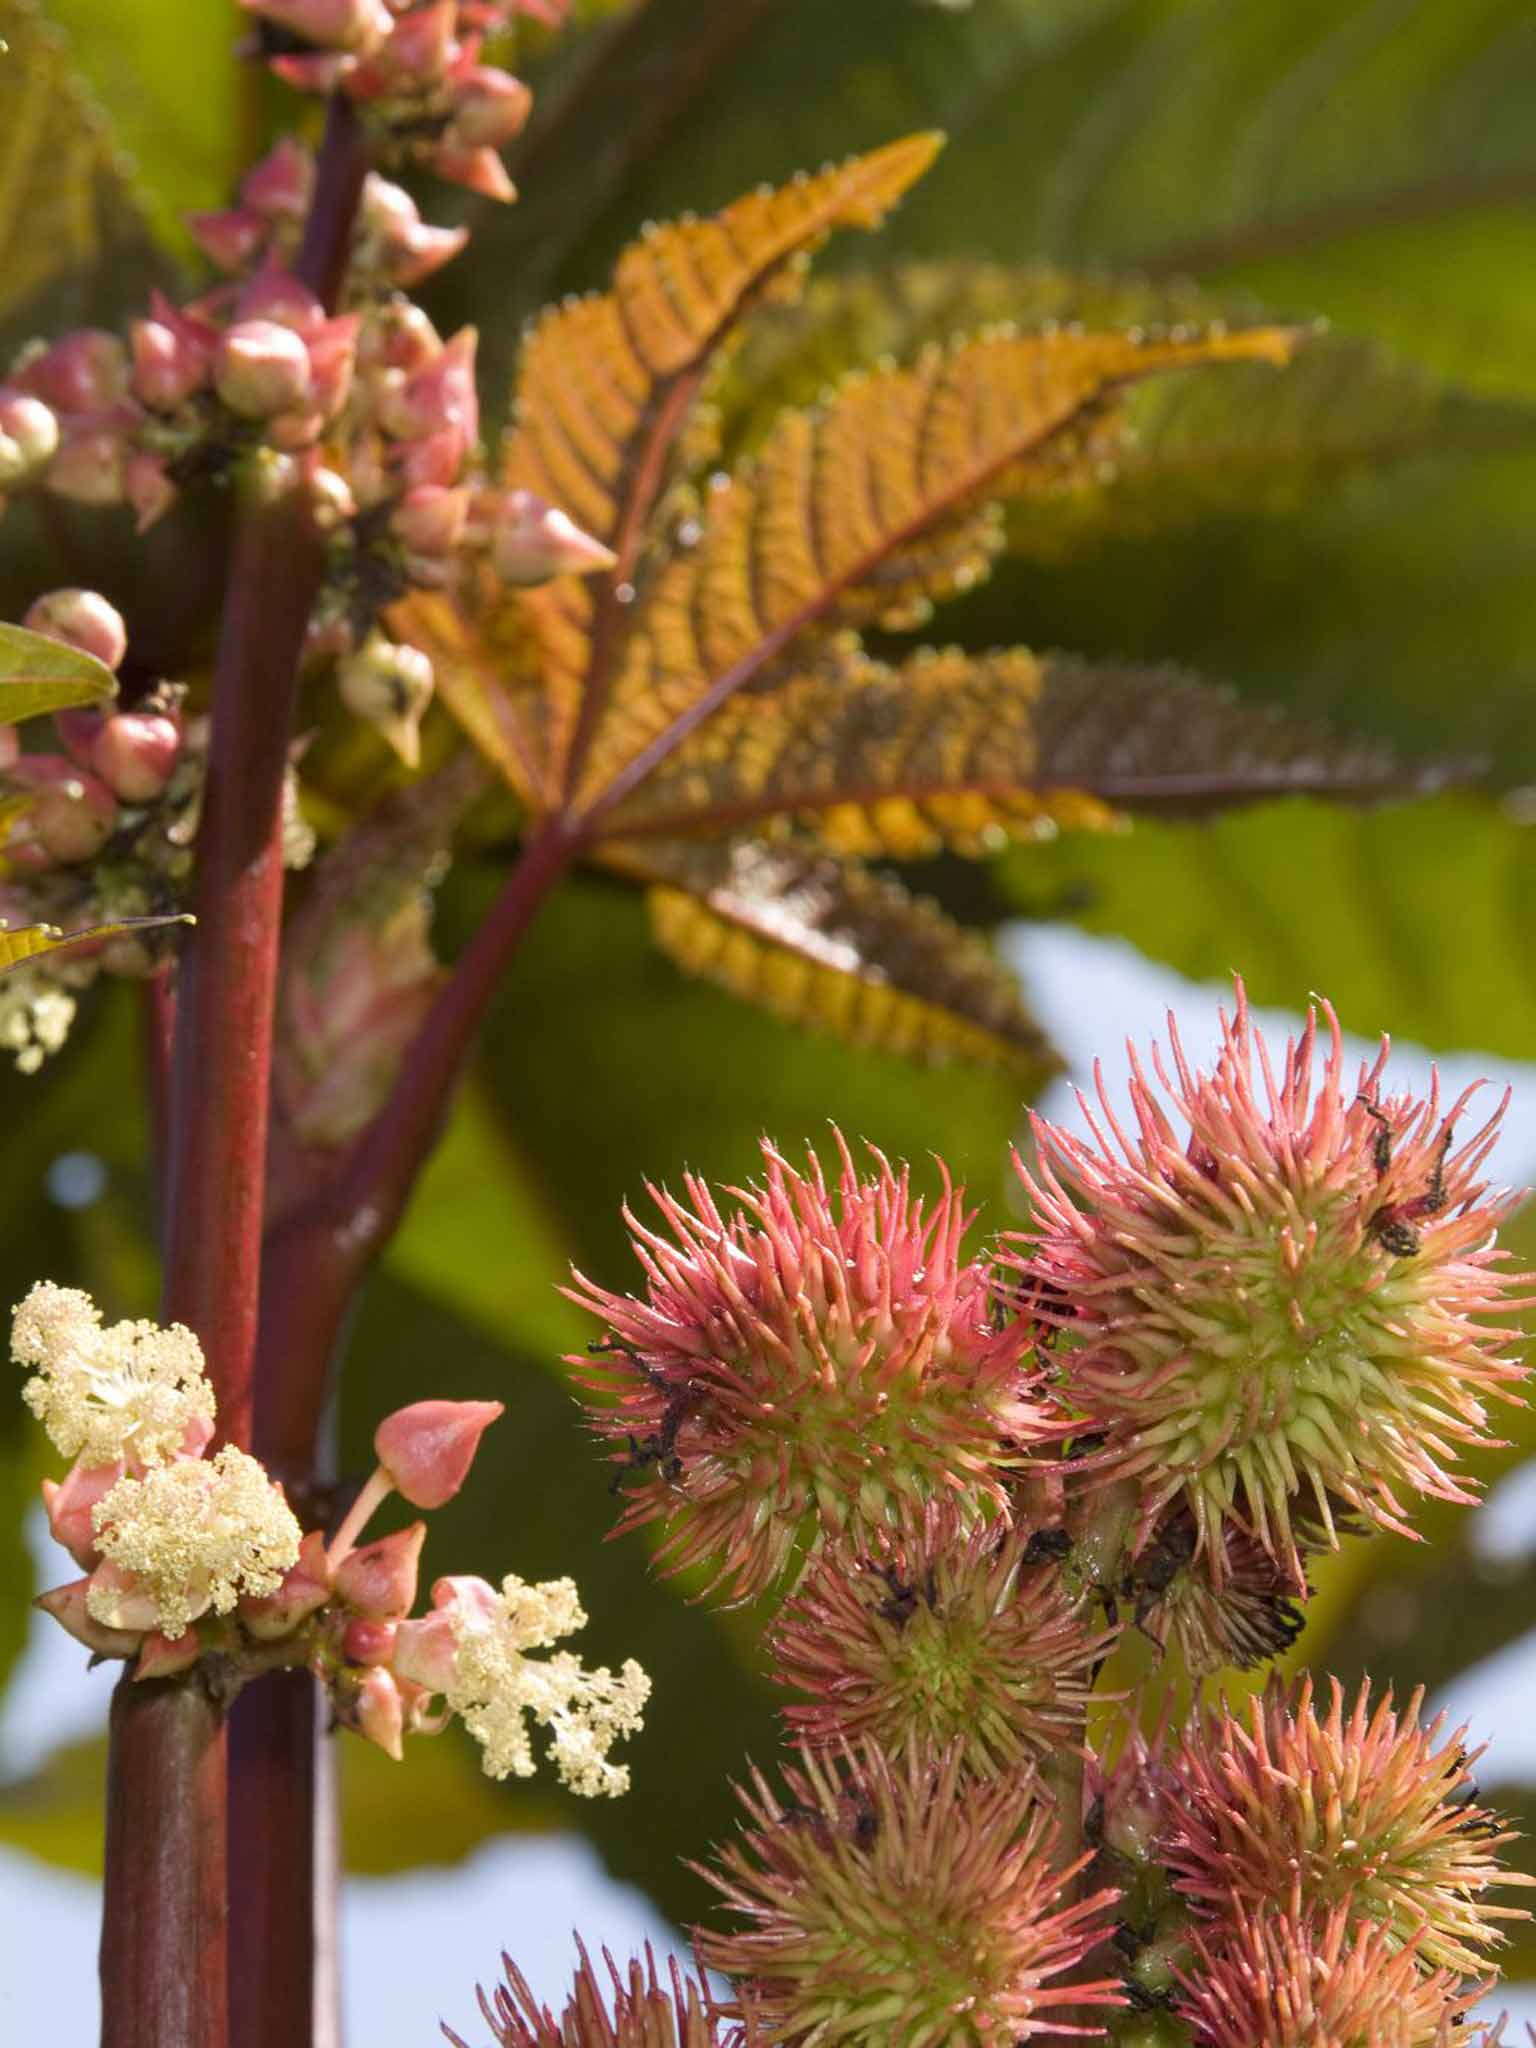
[74, 232]
[185, 112]
[38, 674]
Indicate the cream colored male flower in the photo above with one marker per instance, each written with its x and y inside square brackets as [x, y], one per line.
[474, 1648]
[189, 1536]
[129, 1391]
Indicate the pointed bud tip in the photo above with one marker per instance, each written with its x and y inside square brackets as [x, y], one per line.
[428, 1448]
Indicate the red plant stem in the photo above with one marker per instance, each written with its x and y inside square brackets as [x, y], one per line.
[318, 1257]
[164, 1931]
[162, 1937]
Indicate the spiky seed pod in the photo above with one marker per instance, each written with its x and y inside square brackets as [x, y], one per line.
[1284, 1307]
[633, 2011]
[887, 1901]
[940, 1634]
[806, 1369]
[1279, 1979]
[1366, 1810]
[1236, 1616]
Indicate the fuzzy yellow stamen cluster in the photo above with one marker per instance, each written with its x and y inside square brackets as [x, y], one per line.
[196, 1534]
[497, 1685]
[104, 1393]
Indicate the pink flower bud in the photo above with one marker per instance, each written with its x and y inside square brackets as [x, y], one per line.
[119, 1601]
[160, 1657]
[368, 1642]
[532, 541]
[82, 619]
[400, 338]
[375, 1711]
[432, 459]
[390, 686]
[314, 70]
[231, 238]
[306, 1587]
[428, 1448]
[440, 394]
[332, 356]
[68, 1504]
[429, 520]
[406, 250]
[279, 187]
[90, 469]
[332, 24]
[135, 754]
[148, 488]
[73, 818]
[421, 44]
[86, 371]
[67, 1606]
[425, 1650]
[262, 369]
[276, 294]
[29, 436]
[478, 170]
[78, 729]
[166, 369]
[379, 1580]
[490, 108]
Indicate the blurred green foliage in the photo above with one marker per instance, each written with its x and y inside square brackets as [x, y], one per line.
[1356, 542]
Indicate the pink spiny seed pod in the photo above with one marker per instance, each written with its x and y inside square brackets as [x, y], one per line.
[490, 108]
[532, 541]
[82, 619]
[136, 754]
[806, 1370]
[330, 24]
[280, 185]
[1257, 1305]
[428, 1447]
[29, 436]
[162, 1657]
[868, 1878]
[67, 1605]
[477, 170]
[368, 1642]
[1360, 1808]
[262, 369]
[378, 1581]
[305, 1589]
[430, 519]
[371, 1705]
[83, 372]
[90, 468]
[639, 2009]
[68, 1504]
[942, 1634]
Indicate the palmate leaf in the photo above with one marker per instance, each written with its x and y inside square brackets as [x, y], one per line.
[866, 512]
[607, 385]
[1247, 441]
[961, 752]
[827, 944]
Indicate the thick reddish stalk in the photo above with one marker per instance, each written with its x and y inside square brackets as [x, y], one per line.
[162, 1937]
[164, 1933]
